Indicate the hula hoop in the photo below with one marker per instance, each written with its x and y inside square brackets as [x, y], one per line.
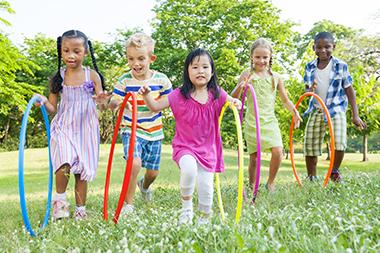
[128, 167]
[332, 140]
[240, 163]
[258, 137]
[21, 184]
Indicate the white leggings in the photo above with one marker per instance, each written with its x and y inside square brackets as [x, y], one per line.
[190, 171]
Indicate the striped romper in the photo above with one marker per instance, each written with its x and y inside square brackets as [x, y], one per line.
[75, 130]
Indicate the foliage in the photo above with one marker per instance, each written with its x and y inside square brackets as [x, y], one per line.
[5, 6]
[340, 32]
[225, 28]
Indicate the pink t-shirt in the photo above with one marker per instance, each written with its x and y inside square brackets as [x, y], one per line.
[197, 130]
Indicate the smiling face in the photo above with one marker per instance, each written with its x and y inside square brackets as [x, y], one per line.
[200, 71]
[73, 52]
[323, 48]
[261, 58]
[139, 60]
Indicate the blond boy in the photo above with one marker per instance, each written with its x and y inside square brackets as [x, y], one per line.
[147, 151]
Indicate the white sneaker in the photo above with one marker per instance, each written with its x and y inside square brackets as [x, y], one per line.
[127, 209]
[147, 194]
[203, 221]
[80, 214]
[60, 209]
[186, 217]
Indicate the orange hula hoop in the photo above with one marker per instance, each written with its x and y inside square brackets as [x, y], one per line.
[332, 140]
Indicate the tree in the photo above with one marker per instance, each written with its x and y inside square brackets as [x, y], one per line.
[14, 93]
[226, 29]
[5, 6]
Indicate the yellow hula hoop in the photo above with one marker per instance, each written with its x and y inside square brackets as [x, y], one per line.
[240, 165]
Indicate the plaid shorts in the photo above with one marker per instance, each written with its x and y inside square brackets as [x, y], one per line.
[316, 129]
[148, 151]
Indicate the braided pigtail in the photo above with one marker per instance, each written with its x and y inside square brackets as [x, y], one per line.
[94, 63]
[56, 80]
[271, 73]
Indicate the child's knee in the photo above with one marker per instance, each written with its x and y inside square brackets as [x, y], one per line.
[136, 166]
[277, 153]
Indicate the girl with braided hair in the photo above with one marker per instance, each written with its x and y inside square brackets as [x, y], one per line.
[266, 83]
[74, 129]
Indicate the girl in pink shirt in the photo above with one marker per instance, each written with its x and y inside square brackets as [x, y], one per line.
[197, 144]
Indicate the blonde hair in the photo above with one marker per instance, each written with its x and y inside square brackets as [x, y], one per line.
[140, 40]
[261, 42]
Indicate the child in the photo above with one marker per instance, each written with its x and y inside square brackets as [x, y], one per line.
[197, 144]
[331, 80]
[147, 152]
[74, 129]
[265, 82]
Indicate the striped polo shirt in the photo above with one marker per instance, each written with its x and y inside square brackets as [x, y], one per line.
[149, 124]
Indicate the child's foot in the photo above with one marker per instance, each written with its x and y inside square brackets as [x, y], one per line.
[186, 217]
[202, 221]
[60, 209]
[147, 194]
[127, 209]
[80, 214]
[312, 178]
[270, 187]
[336, 176]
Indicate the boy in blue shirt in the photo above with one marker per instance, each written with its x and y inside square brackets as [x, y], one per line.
[329, 78]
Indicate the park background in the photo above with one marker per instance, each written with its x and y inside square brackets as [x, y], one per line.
[226, 29]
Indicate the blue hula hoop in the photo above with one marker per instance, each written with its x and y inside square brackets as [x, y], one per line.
[21, 148]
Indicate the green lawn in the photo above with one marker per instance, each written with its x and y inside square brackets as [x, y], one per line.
[341, 218]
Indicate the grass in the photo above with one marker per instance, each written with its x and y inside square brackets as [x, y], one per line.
[341, 218]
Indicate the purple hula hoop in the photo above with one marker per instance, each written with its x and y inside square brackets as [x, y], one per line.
[258, 138]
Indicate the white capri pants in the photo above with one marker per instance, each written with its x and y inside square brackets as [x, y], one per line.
[192, 171]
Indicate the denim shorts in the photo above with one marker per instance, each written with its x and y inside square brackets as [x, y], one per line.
[148, 151]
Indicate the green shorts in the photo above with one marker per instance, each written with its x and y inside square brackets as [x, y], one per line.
[316, 129]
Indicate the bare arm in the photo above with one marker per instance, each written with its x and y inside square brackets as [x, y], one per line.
[241, 84]
[350, 92]
[49, 103]
[151, 103]
[101, 97]
[288, 104]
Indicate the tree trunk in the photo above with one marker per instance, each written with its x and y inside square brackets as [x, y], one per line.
[365, 148]
[328, 151]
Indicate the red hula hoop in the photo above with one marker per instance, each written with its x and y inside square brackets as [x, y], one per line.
[128, 168]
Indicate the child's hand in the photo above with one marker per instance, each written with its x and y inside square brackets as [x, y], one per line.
[102, 98]
[41, 100]
[359, 123]
[314, 86]
[297, 118]
[144, 90]
[236, 102]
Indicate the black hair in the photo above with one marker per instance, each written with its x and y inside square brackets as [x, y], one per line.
[56, 80]
[324, 35]
[187, 86]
